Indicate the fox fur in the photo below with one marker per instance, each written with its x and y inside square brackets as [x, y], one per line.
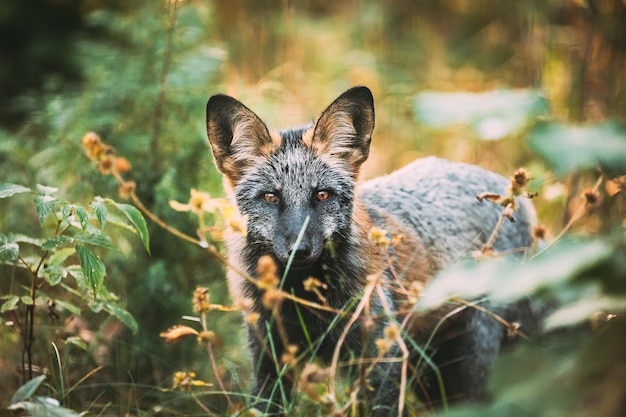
[300, 192]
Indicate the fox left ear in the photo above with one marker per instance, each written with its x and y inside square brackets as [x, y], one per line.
[237, 136]
[345, 128]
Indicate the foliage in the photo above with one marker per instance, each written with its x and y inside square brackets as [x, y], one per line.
[65, 273]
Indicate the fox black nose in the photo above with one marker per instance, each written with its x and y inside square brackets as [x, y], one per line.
[301, 253]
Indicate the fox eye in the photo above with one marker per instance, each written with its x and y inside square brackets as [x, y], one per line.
[322, 195]
[270, 197]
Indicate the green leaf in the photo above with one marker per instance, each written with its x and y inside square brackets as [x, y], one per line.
[93, 269]
[46, 190]
[137, 220]
[59, 256]
[68, 306]
[568, 148]
[53, 274]
[582, 310]
[82, 215]
[7, 190]
[10, 304]
[44, 204]
[27, 390]
[121, 314]
[27, 299]
[9, 250]
[505, 281]
[492, 115]
[76, 341]
[20, 238]
[53, 242]
[43, 406]
[76, 211]
[100, 210]
[96, 239]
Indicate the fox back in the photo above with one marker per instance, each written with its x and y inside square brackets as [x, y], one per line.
[311, 217]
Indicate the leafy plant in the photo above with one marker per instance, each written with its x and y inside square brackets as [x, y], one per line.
[25, 400]
[64, 273]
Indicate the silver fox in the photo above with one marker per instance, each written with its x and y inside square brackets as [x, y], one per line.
[306, 208]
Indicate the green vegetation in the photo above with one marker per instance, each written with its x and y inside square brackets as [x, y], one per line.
[88, 284]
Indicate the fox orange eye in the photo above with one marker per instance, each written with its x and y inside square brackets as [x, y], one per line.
[270, 197]
[322, 195]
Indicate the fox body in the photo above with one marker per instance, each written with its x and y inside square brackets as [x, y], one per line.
[308, 212]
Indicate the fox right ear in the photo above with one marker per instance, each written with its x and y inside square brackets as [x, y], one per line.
[237, 136]
[345, 128]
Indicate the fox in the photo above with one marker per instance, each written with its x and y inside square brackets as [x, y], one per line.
[309, 212]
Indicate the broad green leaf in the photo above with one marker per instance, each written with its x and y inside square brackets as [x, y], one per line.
[7, 190]
[9, 250]
[568, 148]
[53, 274]
[492, 115]
[27, 390]
[46, 190]
[76, 215]
[82, 282]
[505, 281]
[59, 256]
[583, 309]
[20, 238]
[93, 269]
[68, 306]
[96, 306]
[100, 210]
[44, 201]
[44, 204]
[82, 215]
[137, 220]
[43, 406]
[53, 242]
[96, 239]
[76, 341]
[121, 314]
[27, 299]
[10, 304]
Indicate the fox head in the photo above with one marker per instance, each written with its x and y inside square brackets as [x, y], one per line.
[296, 187]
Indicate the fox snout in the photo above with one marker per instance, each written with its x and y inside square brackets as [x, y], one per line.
[298, 238]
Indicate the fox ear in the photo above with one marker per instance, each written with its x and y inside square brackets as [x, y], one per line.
[237, 136]
[345, 128]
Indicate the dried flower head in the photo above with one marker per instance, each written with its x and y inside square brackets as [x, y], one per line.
[267, 276]
[122, 165]
[314, 382]
[127, 188]
[252, 318]
[539, 232]
[392, 332]
[106, 164]
[206, 336]
[272, 298]
[379, 237]
[201, 303]
[519, 181]
[512, 330]
[185, 380]
[592, 197]
[289, 356]
[384, 345]
[314, 285]
[174, 334]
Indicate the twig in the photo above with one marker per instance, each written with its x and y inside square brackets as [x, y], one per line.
[580, 211]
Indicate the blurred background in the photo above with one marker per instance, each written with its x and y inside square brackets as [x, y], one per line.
[139, 74]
